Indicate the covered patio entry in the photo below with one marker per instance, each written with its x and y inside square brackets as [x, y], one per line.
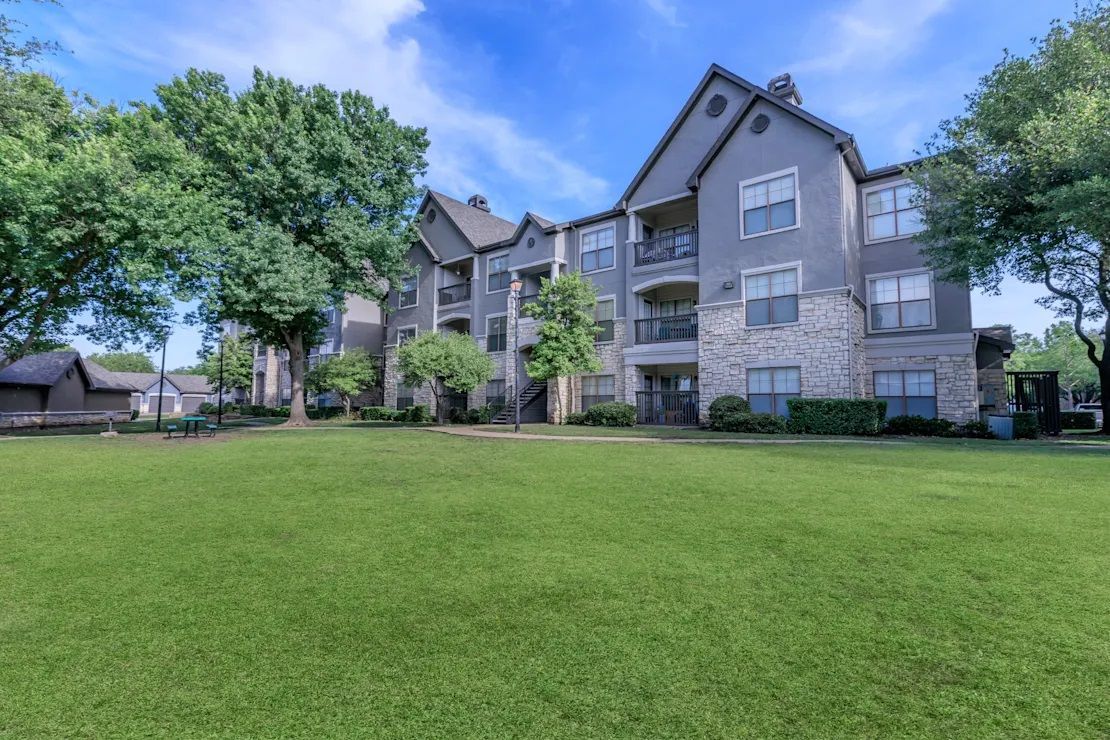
[668, 395]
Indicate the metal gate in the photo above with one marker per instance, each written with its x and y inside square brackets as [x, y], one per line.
[1037, 391]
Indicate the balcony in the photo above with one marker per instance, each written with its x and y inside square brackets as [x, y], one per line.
[524, 300]
[669, 408]
[454, 294]
[667, 248]
[681, 328]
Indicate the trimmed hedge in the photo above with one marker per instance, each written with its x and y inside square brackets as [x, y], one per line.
[612, 414]
[378, 413]
[724, 406]
[576, 417]
[752, 424]
[919, 426]
[1078, 420]
[1026, 425]
[859, 416]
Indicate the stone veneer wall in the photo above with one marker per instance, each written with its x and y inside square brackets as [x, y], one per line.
[956, 381]
[992, 388]
[611, 355]
[423, 394]
[819, 342]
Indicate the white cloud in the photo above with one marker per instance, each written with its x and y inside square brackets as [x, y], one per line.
[665, 10]
[359, 44]
[869, 33]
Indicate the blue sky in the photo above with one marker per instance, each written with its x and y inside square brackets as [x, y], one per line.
[552, 106]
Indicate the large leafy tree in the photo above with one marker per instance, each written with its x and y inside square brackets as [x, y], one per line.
[319, 191]
[238, 364]
[16, 53]
[451, 362]
[1060, 349]
[568, 333]
[123, 362]
[1020, 184]
[347, 375]
[96, 224]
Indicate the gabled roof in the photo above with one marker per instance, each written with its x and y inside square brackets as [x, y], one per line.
[47, 368]
[544, 225]
[428, 246]
[480, 228]
[1002, 336]
[139, 382]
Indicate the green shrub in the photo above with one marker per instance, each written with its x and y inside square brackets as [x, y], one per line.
[134, 414]
[207, 407]
[723, 406]
[612, 414]
[975, 430]
[418, 413]
[254, 410]
[576, 417]
[752, 424]
[1025, 425]
[919, 426]
[1078, 420]
[485, 413]
[455, 415]
[377, 413]
[836, 415]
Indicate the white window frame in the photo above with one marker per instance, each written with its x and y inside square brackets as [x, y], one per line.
[764, 178]
[401, 292]
[931, 326]
[867, 240]
[589, 230]
[745, 274]
[490, 258]
[415, 333]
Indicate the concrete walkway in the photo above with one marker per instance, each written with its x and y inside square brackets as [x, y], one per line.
[481, 433]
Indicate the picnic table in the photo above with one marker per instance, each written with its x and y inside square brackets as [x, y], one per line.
[195, 421]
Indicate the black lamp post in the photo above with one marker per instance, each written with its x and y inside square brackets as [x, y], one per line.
[514, 291]
[220, 390]
[162, 377]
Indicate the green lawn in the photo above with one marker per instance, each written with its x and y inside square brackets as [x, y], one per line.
[405, 583]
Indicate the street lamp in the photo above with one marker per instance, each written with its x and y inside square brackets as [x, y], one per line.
[220, 390]
[162, 377]
[514, 294]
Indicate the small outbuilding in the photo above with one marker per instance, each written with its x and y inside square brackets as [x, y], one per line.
[60, 388]
[181, 394]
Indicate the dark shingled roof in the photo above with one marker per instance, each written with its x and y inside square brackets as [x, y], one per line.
[184, 383]
[1001, 335]
[43, 369]
[479, 227]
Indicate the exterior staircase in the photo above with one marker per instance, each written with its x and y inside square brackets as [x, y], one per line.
[534, 391]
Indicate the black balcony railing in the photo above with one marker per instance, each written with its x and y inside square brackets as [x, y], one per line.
[667, 248]
[671, 408]
[681, 328]
[454, 294]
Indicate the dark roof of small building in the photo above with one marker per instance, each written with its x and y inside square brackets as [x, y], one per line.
[478, 226]
[43, 369]
[184, 383]
[1000, 335]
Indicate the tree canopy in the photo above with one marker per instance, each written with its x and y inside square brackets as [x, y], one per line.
[96, 226]
[318, 195]
[1020, 183]
[123, 362]
[568, 331]
[238, 364]
[347, 375]
[452, 362]
[1060, 349]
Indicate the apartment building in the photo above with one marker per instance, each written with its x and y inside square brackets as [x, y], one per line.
[753, 253]
[361, 325]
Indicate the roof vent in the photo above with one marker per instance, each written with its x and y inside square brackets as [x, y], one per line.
[783, 87]
[479, 202]
[716, 105]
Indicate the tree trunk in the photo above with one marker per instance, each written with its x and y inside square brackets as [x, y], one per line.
[298, 417]
[559, 402]
[346, 404]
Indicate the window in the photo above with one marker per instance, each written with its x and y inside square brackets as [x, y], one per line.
[598, 249]
[495, 393]
[597, 389]
[498, 269]
[405, 334]
[907, 392]
[770, 205]
[496, 331]
[404, 395]
[771, 298]
[769, 388]
[677, 307]
[603, 315]
[891, 213]
[409, 287]
[901, 302]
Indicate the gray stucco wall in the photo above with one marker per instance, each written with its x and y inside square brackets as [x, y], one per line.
[817, 243]
[689, 144]
[68, 394]
[442, 233]
[22, 399]
[363, 325]
[422, 313]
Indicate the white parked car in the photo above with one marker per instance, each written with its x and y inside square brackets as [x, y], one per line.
[1095, 408]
